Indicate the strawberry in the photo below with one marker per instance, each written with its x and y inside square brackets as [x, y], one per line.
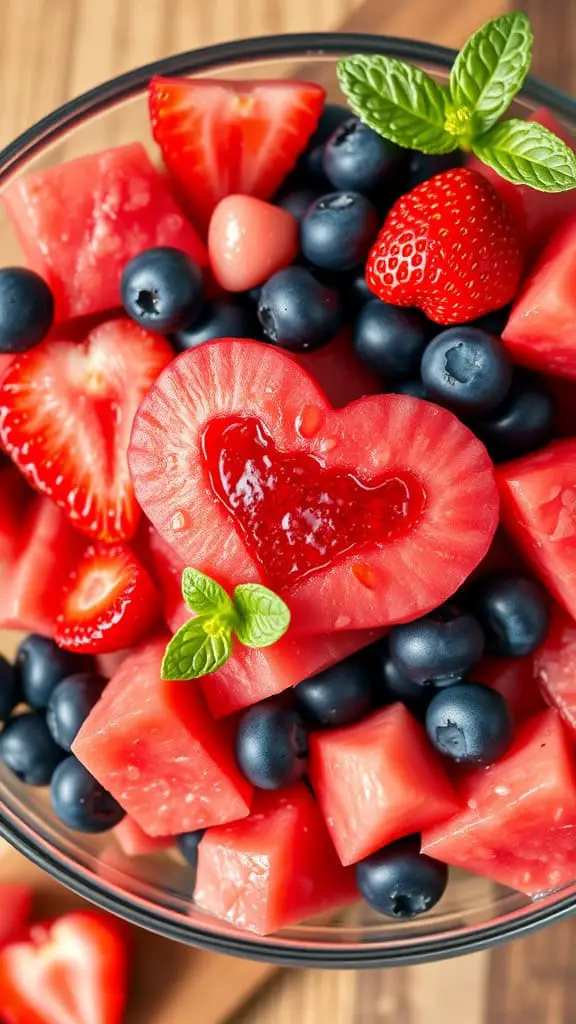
[449, 247]
[222, 137]
[66, 412]
[109, 602]
[69, 971]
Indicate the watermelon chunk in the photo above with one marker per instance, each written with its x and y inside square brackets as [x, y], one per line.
[274, 868]
[47, 550]
[153, 745]
[134, 841]
[537, 214]
[518, 824]
[377, 781]
[251, 674]
[80, 222]
[15, 501]
[515, 679]
[555, 666]
[538, 508]
[541, 329]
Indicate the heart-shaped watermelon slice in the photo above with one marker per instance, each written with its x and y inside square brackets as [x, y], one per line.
[359, 517]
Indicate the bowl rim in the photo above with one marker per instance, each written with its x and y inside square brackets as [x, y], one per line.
[302, 46]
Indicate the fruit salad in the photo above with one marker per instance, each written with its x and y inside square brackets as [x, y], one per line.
[287, 503]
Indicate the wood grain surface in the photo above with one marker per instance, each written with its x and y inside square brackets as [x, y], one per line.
[51, 50]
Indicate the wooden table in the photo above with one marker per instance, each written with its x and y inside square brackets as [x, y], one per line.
[51, 50]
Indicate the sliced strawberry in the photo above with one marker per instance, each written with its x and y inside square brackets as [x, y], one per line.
[70, 971]
[66, 412]
[109, 602]
[360, 517]
[15, 907]
[222, 137]
[42, 560]
[15, 501]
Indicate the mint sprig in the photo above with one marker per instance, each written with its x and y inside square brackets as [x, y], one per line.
[255, 614]
[403, 104]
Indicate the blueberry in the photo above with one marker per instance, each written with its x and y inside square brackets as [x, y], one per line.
[439, 648]
[338, 230]
[272, 746]
[423, 166]
[514, 611]
[224, 318]
[162, 289]
[298, 201]
[297, 312]
[41, 664]
[470, 723]
[396, 686]
[339, 695]
[401, 882]
[355, 291]
[310, 166]
[71, 701]
[80, 802]
[495, 321]
[26, 309]
[355, 157]
[10, 694]
[467, 369]
[188, 843]
[523, 422]
[413, 387]
[391, 340]
[28, 750]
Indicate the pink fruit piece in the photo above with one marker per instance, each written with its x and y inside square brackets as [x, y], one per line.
[249, 240]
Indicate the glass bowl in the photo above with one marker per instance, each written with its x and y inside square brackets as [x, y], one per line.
[154, 892]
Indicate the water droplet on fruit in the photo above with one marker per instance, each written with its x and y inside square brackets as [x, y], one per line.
[365, 575]
[328, 444]
[133, 772]
[342, 621]
[309, 421]
[180, 520]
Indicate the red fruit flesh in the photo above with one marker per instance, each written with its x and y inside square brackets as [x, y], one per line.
[15, 501]
[73, 970]
[134, 841]
[424, 454]
[219, 138]
[541, 329]
[109, 602]
[249, 240]
[555, 666]
[66, 412]
[339, 372]
[252, 674]
[516, 680]
[152, 744]
[47, 549]
[274, 868]
[518, 824]
[377, 781]
[15, 907]
[450, 247]
[537, 214]
[538, 510]
[80, 222]
[292, 526]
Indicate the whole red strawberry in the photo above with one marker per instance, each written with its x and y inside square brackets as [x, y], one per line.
[449, 247]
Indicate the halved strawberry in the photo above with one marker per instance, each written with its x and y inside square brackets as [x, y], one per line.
[109, 602]
[222, 137]
[73, 970]
[359, 517]
[43, 555]
[66, 411]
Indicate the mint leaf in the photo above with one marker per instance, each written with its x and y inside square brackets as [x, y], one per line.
[526, 153]
[262, 616]
[200, 646]
[490, 69]
[399, 101]
[203, 595]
